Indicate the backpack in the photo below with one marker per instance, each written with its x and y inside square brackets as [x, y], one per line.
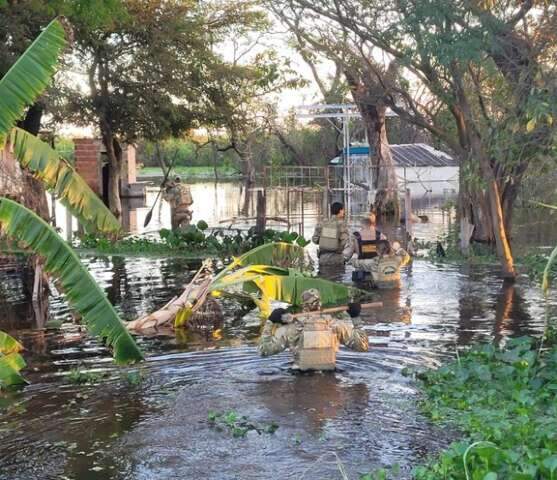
[329, 241]
[367, 249]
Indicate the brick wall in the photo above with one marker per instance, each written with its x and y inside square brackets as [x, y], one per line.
[87, 162]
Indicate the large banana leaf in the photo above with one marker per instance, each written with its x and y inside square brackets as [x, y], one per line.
[80, 288]
[11, 362]
[61, 178]
[267, 283]
[29, 76]
[278, 254]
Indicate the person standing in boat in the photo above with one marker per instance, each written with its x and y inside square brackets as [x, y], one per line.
[313, 338]
[178, 195]
[333, 238]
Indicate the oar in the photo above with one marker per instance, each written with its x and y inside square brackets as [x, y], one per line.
[150, 212]
[344, 308]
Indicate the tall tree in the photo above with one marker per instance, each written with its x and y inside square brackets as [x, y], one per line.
[491, 91]
[146, 71]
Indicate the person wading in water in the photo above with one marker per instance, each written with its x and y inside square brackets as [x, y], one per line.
[313, 337]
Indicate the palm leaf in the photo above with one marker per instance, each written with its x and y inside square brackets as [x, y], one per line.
[61, 178]
[26, 80]
[80, 288]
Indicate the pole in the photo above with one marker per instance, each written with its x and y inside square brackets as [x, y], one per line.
[344, 308]
[408, 212]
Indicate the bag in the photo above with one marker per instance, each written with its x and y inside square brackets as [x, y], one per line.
[329, 241]
[367, 249]
[184, 195]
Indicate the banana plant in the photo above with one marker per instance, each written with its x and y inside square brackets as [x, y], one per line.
[81, 290]
[24, 82]
[11, 362]
[264, 283]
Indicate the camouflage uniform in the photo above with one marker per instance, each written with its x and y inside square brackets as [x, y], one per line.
[290, 334]
[345, 247]
[385, 269]
[178, 195]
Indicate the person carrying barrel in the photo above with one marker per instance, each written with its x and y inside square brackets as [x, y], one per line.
[313, 337]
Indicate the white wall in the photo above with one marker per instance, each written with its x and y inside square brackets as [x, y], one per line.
[434, 181]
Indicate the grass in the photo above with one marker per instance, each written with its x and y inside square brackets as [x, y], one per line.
[504, 401]
[191, 172]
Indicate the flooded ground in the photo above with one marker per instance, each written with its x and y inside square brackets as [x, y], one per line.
[151, 421]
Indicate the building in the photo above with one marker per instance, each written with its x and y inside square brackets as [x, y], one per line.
[419, 167]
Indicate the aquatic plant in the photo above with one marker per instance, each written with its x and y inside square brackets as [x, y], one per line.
[24, 82]
[505, 402]
[11, 362]
[238, 425]
[191, 241]
[81, 290]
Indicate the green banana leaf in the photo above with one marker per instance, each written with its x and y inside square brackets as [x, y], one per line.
[26, 80]
[265, 283]
[11, 362]
[82, 292]
[61, 178]
[275, 254]
[9, 344]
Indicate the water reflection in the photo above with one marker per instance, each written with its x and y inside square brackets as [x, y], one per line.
[365, 413]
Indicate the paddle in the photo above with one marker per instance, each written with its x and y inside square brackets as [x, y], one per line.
[150, 212]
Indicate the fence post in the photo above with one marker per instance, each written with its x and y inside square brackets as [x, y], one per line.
[261, 208]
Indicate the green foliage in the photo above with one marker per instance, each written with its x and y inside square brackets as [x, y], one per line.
[450, 241]
[29, 76]
[81, 290]
[11, 362]
[505, 402]
[264, 283]
[391, 473]
[238, 425]
[191, 241]
[77, 376]
[61, 178]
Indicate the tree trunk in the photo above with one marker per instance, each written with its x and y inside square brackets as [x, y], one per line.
[249, 176]
[114, 156]
[382, 163]
[373, 112]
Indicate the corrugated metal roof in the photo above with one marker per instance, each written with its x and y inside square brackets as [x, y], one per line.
[412, 155]
[421, 155]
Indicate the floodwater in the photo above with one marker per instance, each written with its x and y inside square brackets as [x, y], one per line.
[151, 421]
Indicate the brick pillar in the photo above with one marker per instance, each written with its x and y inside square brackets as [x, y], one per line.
[88, 163]
[128, 166]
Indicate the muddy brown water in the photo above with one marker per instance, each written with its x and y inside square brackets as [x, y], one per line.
[363, 417]
[151, 421]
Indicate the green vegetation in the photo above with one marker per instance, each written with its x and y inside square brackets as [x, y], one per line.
[194, 241]
[81, 290]
[11, 362]
[77, 376]
[505, 402]
[238, 425]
